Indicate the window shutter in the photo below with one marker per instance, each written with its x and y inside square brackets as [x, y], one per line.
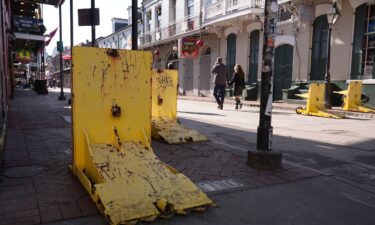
[359, 29]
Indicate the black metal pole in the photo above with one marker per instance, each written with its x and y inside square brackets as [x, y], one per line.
[71, 47]
[71, 27]
[264, 136]
[61, 97]
[134, 25]
[327, 78]
[92, 23]
[264, 157]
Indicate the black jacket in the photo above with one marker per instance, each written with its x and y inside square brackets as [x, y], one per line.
[220, 71]
[237, 80]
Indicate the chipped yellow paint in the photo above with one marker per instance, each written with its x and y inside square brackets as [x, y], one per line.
[165, 125]
[315, 102]
[352, 98]
[113, 159]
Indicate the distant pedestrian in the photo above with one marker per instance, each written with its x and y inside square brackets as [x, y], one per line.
[54, 83]
[239, 84]
[220, 81]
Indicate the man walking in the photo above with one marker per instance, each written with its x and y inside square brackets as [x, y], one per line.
[220, 81]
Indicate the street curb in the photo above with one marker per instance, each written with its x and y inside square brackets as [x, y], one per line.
[345, 114]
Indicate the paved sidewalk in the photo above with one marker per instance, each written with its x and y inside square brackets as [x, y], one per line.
[280, 106]
[37, 186]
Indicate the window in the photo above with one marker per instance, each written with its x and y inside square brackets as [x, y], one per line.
[190, 13]
[319, 48]
[158, 16]
[363, 55]
[231, 54]
[190, 7]
[149, 19]
[253, 57]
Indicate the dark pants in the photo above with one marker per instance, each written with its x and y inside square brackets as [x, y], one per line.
[219, 93]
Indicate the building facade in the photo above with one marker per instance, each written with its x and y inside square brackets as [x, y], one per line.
[233, 30]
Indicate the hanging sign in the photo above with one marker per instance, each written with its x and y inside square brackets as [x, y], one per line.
[27, 23]
[188, 48]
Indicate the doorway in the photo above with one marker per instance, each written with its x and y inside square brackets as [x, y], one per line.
[283, 70]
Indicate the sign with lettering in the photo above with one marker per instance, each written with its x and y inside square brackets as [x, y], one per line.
[27, 23]
[188, 48]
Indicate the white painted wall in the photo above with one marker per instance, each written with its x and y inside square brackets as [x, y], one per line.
[342, 35]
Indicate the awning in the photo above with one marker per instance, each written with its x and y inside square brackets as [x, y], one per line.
[29, 36]
[56, 3]
[67, 57]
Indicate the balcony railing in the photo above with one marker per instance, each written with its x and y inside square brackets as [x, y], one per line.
[194, 22]
[223, 7]
[187, 24]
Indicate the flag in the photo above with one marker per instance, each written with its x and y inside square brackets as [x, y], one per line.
[47, 42]
[50, 35]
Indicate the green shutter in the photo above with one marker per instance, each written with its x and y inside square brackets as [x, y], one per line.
[231, 54]
[319, 48]
[253, 58]
[283, 69]
[359, 29]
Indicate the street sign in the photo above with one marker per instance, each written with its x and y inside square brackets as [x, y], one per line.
[60, 46]
[27, 23]
[84, 17]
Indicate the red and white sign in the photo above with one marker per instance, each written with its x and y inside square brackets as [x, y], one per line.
[188, 48]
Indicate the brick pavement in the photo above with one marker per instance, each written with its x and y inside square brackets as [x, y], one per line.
[210, 161]
[37, 135]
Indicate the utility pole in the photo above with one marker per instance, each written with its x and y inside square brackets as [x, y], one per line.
[92, 23]
[61, 48]
[331, 17]
[264, 157]
[71, 28]
[134, 25]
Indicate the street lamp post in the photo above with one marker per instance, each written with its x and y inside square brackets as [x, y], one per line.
[264, 157]
[134, 24]
[331, 17]
[61, 97]
[93, 31]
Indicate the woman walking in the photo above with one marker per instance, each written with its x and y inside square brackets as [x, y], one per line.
[239, 84]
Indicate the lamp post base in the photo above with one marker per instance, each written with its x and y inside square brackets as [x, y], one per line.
[264, 160]
[62, 98]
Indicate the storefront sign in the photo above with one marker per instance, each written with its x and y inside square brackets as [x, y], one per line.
[27, 23]
[23, 55]
[188, 48]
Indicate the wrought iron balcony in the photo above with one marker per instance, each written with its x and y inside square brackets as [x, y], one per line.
[224, 7]
[173, 29]
[210, 12]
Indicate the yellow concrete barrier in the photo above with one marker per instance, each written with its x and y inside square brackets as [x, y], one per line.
[315, 102]
[352, 98]
[113, 159]
[165, 125]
